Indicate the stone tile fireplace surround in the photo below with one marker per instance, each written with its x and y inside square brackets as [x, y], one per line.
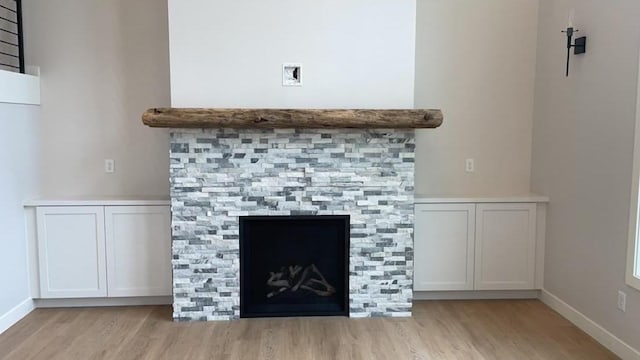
[218, 175]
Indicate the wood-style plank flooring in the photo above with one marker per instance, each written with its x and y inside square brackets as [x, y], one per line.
[495, 329]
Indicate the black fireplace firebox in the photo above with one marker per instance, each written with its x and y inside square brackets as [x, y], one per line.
[294, 266]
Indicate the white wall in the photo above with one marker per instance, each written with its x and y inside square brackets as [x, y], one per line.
[102, 64]
[476, 61]
[17, 183]
[355, 54]
[582, 156]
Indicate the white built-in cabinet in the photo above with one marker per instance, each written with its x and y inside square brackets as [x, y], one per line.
[103, 251]
[469, 245]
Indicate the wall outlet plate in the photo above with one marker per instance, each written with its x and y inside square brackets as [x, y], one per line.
[291, 74]
[622, 301]
[109, 166]
[470, 165]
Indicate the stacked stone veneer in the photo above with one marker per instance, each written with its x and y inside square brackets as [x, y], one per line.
[219, 175]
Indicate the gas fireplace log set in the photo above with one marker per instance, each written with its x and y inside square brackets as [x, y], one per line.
[287, 280]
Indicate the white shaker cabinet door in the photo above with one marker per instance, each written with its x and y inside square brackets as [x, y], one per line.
[71, 249]
[138, 242]
[444, 247]
[505, 246]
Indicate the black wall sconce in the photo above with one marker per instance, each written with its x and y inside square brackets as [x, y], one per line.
[579, 46]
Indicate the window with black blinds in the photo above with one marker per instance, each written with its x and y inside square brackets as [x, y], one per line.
[11, 45]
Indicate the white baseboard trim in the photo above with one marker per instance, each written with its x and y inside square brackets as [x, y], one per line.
[476, 295]
[91, 302]
[602, 335]
[16, 314]
[24, 308]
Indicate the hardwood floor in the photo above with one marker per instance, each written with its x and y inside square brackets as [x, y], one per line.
[496, 329]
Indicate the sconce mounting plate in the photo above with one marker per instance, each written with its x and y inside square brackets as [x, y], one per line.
[580, 45]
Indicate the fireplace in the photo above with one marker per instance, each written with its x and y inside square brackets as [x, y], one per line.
[222, 177]
[294, 266]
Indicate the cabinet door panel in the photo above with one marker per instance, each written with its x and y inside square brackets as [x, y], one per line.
[71, 251]
[444, 246]
[505, 246]
[138, 250]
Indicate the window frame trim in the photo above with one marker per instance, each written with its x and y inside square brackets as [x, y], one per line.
[632, 275]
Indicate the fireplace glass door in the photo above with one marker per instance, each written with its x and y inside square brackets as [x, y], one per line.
[294, 266]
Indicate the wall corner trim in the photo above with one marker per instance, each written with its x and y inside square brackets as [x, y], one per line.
[602, 335]
[16, 88]
[16, 314]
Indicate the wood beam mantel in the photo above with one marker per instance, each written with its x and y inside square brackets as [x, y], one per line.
[292, 118]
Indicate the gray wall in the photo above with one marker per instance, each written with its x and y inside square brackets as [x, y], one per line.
[582, 156]
[102, 64]
[476, 61]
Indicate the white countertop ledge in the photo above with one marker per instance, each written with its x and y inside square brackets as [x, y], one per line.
[440, 199]
[100, 201]
[16, 88]
[157, 201]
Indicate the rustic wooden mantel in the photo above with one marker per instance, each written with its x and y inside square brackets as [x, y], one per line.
[292, 118]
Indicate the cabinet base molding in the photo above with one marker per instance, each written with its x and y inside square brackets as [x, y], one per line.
[476, 295]
[92, 302]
